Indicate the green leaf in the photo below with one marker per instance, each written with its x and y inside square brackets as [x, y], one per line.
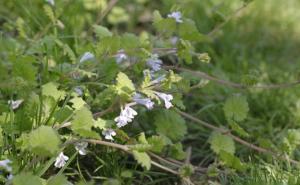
[219, 142]
[186, 170]
[67, 50]
[176, 151]
[58, 180]
[23, 67]
[43, 141]
[156, 17]
[63, 114]
[189, 31]
[231, 161]
[27, 179]
[101, 31]
[129, 41]
[236, 108]
[184, 51]
[293, 136]
[170, 124]
[51, 89]
[142, 158]
[124, 85]
[157, 143]
[83, 122]
[142, 138]
[77, 103]
[165, 26]
[108, 45]
[236, 127]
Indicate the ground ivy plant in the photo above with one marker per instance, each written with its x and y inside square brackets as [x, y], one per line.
[78, 92]
[59, 100]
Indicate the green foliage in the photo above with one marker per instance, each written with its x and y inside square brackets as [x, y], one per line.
[231, 161]
[83, 122]
[51, 89]
[142, 158]
[220, 142]
[236, 108]
[124, 86]
[27, 179]
[65, 101]
[102, 32]
[42, 141]
[170, 124]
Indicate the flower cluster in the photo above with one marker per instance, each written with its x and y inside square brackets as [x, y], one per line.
[14, 104]
[154, 63]
[126, 116]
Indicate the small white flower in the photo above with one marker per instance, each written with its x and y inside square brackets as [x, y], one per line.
[121, 56]
[14, 104]
[154, 62]
[51, 2]
[79, 91]
[108, 134]
[61, 160]
[143, 101]
[80, 147]
[86, 56]
[174, 40]
[166, 98]
[5, 164]
[176, 15]
[10, 177]
[126, 116]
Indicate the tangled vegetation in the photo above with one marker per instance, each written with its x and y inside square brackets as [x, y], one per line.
[149, 92]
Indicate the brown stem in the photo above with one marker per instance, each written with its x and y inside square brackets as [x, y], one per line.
[232, 84]
[237, 139]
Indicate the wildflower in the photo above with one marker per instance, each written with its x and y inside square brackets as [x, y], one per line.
[158, 80]
[80, 147]
[154, 62]
[5, 164]
[143, 101]
[126, 116]
[174, 40]
[86, 56]
[10, 177]
[108, 134]
[14, 104]
[51, 2]
[176, 15]
[121, 56]
[79, 91]
[61, 160]
[166, 98]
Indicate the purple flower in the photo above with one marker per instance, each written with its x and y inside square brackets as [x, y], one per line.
[61, 160]
[166, 98]
[126, 116]
[86, 56]
[176, 15]
[143, 101]
[108, 134]
[121, 56]
[154, 62]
